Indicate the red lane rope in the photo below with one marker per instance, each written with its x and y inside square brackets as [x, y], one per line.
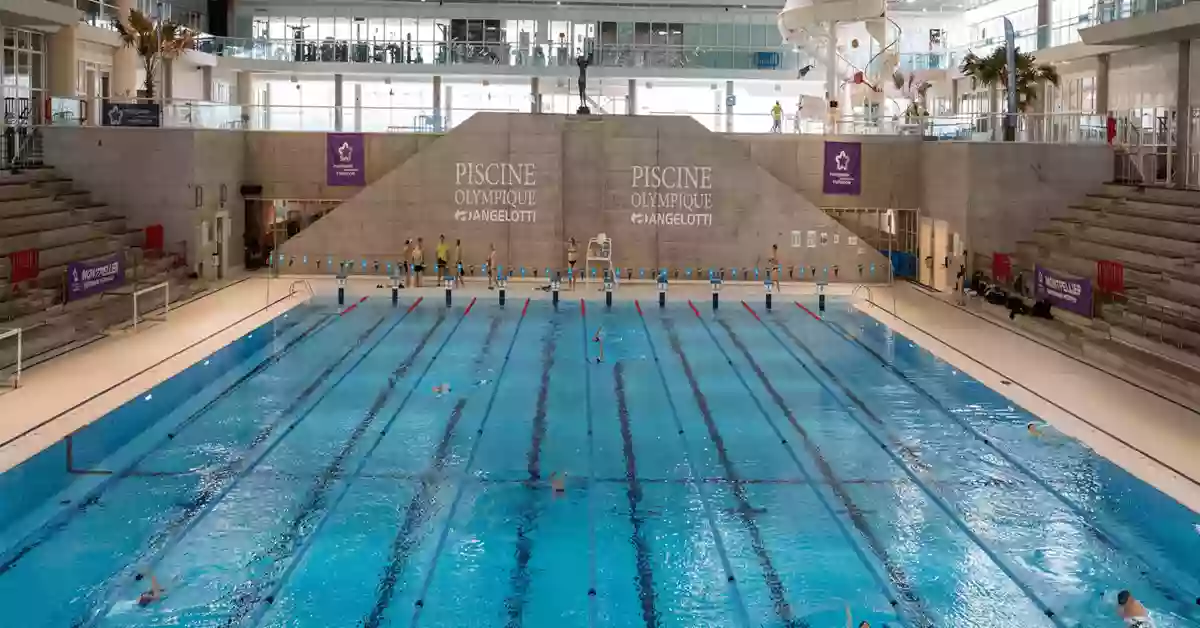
[810, 312]
[351, 308]
[525, 308]
[469, 306]
[638, 306]
[415, 304]
[583, 307]
[751, 310]
[694, 310]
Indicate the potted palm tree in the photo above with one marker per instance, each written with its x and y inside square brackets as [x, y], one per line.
[154, 42]
[992, 72]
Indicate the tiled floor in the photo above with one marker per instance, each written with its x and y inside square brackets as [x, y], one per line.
[1161, 440]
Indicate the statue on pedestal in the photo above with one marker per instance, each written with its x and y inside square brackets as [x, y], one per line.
[583, 61]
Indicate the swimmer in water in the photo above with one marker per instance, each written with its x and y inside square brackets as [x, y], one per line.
[443, 389]
[1034, 429]
[155, 593]
[1132, 612]
[558, 483]
[599, 340]
[850, 620]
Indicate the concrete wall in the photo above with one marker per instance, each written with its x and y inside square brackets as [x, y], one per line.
[582, 182]
[292, 164]
[891, 167]
[995, 194]
[171, 177]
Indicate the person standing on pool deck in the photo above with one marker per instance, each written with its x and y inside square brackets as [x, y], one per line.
[408, 262]
[418, 261]
[458, 260]
[491, 268]
[773, 267]
[443, 256]
[572, 257]
[1132, 612]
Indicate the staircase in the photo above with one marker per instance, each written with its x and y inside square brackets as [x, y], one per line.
[1155, 234]
[40, 209]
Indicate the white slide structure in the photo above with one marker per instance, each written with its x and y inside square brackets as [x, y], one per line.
[813, 26]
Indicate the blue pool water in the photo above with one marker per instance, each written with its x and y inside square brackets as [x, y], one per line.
[723, 469]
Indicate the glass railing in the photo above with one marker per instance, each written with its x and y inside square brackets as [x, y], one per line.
[1113, 10]
[505, 54]
[1057, 128]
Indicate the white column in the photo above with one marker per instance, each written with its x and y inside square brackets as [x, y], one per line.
[166, 81]
[337, 102]
[358, 107]
[437, 102]
[728, 106]
[266, 107]
[92, 104]
[206, 87]
[449, 114]
[631, 104]
[831, 81]
[1102, 63]
[535, 96]
[716, 116]
[1183, 114]
[62, 62]
[123, 85]
[245, 97]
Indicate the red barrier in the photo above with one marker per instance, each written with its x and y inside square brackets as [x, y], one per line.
[24, 265]
[1001, 267]
[1110, 276]
[154, 238]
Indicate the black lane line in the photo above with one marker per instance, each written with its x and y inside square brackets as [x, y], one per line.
[744, 510]
[527, 523]
[1183, 601]
[934, 496]
[217, 484]
[914, 607]
[421, 507]
[247, 595]
[487, 413]
[62, 519]
[633, 494]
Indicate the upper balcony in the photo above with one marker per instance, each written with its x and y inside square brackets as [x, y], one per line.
[464, 57]
[1142, 22]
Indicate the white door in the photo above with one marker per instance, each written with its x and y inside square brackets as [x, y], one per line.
[221, 245]
[943, 277]
[925, 252]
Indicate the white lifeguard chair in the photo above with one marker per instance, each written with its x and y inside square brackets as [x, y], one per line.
[599, 249]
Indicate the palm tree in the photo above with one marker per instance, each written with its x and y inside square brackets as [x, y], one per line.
[992, 72]
[153, 41]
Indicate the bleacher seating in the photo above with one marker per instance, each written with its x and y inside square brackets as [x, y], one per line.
[1155, 234]
[39, 209]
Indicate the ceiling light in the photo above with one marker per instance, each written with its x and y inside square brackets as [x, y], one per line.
[743, 6]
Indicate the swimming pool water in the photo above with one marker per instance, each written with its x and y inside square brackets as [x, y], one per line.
[728, 468]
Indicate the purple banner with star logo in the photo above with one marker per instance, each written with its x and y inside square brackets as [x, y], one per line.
[843, 168]
[345, 159]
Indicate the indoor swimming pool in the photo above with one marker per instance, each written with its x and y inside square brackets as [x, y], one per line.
[392, 466]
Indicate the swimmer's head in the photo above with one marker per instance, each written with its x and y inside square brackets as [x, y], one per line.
[1122, 598]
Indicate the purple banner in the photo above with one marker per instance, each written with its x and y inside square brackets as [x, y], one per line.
[1073, 294]
[843, 168]
[88, 278]
[345, 159]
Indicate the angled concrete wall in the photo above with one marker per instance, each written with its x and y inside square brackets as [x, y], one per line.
[526, 183]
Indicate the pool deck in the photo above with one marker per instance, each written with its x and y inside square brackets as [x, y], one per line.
[1152, 437]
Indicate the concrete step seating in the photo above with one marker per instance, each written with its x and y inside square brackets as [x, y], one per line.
[1155, 234]
[40, 209]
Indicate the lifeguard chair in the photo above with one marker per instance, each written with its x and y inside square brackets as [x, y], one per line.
[599, 249]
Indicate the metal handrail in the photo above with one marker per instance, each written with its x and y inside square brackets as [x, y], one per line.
[863, 286]
[1143, 316]
[301, 282]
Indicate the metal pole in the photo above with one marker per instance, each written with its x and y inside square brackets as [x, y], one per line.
[17, 382]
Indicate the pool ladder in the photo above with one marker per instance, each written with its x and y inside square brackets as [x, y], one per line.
[301, 282]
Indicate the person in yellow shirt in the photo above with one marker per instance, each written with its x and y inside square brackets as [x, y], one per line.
[777, 118]
[443, 255]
